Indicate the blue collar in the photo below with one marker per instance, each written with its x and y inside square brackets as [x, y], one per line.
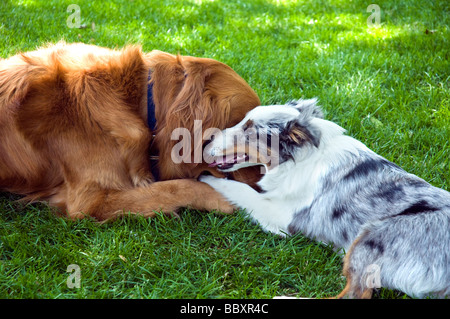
[151, 118]
[151, 121]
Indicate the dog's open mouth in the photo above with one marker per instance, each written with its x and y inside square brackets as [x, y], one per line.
[227, 162]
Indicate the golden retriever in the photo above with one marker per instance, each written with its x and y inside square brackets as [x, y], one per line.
[74, 132]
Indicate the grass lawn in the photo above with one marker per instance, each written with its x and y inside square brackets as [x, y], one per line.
[388, 85]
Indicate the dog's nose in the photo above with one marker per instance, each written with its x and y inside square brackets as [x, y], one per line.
[214, 151]
[210, 149]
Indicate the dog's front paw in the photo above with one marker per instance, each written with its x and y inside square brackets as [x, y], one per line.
[222, 204]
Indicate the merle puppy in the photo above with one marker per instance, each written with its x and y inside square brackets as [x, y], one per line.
[394, 226]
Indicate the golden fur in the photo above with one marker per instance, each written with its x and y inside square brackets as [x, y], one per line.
[73, 127]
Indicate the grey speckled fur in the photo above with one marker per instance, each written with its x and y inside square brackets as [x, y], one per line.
[338, 191]
[403, 223]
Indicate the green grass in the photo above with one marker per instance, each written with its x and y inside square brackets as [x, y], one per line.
[389, 86]
[200, 256]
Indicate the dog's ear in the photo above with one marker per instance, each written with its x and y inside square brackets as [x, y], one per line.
[308, 108]
[295, 135]
[299, 133]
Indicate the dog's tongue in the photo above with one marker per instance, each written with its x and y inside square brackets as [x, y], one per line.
[217, 161]
[228, 160]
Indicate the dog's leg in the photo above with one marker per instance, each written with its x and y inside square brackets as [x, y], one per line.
[354, 272]
[353, 290]
[166, 196]
[259, 208]
[406, 252]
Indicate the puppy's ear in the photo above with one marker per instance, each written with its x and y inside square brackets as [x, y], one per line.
[308, 108]
[300, 134]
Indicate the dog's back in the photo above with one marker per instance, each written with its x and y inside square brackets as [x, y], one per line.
[22, 164]
[361, 188]
[66, 106]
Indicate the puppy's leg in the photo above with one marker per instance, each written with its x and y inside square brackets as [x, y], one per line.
[354, 289]
[407, 252]
[260, 209]
[166, 196]
[355, 264]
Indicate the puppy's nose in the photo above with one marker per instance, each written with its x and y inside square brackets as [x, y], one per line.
[214, 151]
[210, 149]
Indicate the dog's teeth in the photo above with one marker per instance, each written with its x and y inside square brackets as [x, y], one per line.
[227, 161]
